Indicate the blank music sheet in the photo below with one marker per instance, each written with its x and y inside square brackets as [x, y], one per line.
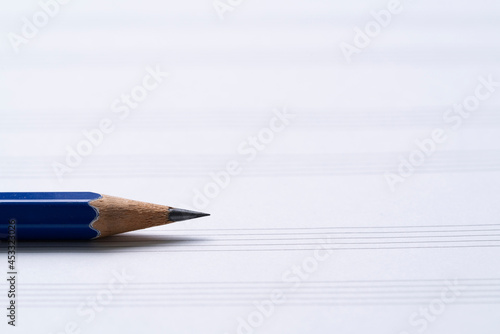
[352, 177]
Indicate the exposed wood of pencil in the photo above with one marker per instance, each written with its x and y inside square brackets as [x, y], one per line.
[118, 215]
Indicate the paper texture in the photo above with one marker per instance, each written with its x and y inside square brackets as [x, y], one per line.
[348, 194]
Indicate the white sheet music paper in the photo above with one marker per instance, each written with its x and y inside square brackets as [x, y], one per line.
[346, 196]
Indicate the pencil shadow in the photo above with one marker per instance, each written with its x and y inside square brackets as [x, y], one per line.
[118, 243]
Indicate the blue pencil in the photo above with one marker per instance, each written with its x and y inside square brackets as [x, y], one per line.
[80, 215]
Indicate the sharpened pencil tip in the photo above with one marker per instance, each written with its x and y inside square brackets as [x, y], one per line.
[178, 215]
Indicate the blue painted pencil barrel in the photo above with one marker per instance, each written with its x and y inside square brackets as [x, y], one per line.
[55, 215]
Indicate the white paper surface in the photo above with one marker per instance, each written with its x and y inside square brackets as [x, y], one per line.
[307, 235]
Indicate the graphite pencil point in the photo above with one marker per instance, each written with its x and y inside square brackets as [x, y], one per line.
[177, 215]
